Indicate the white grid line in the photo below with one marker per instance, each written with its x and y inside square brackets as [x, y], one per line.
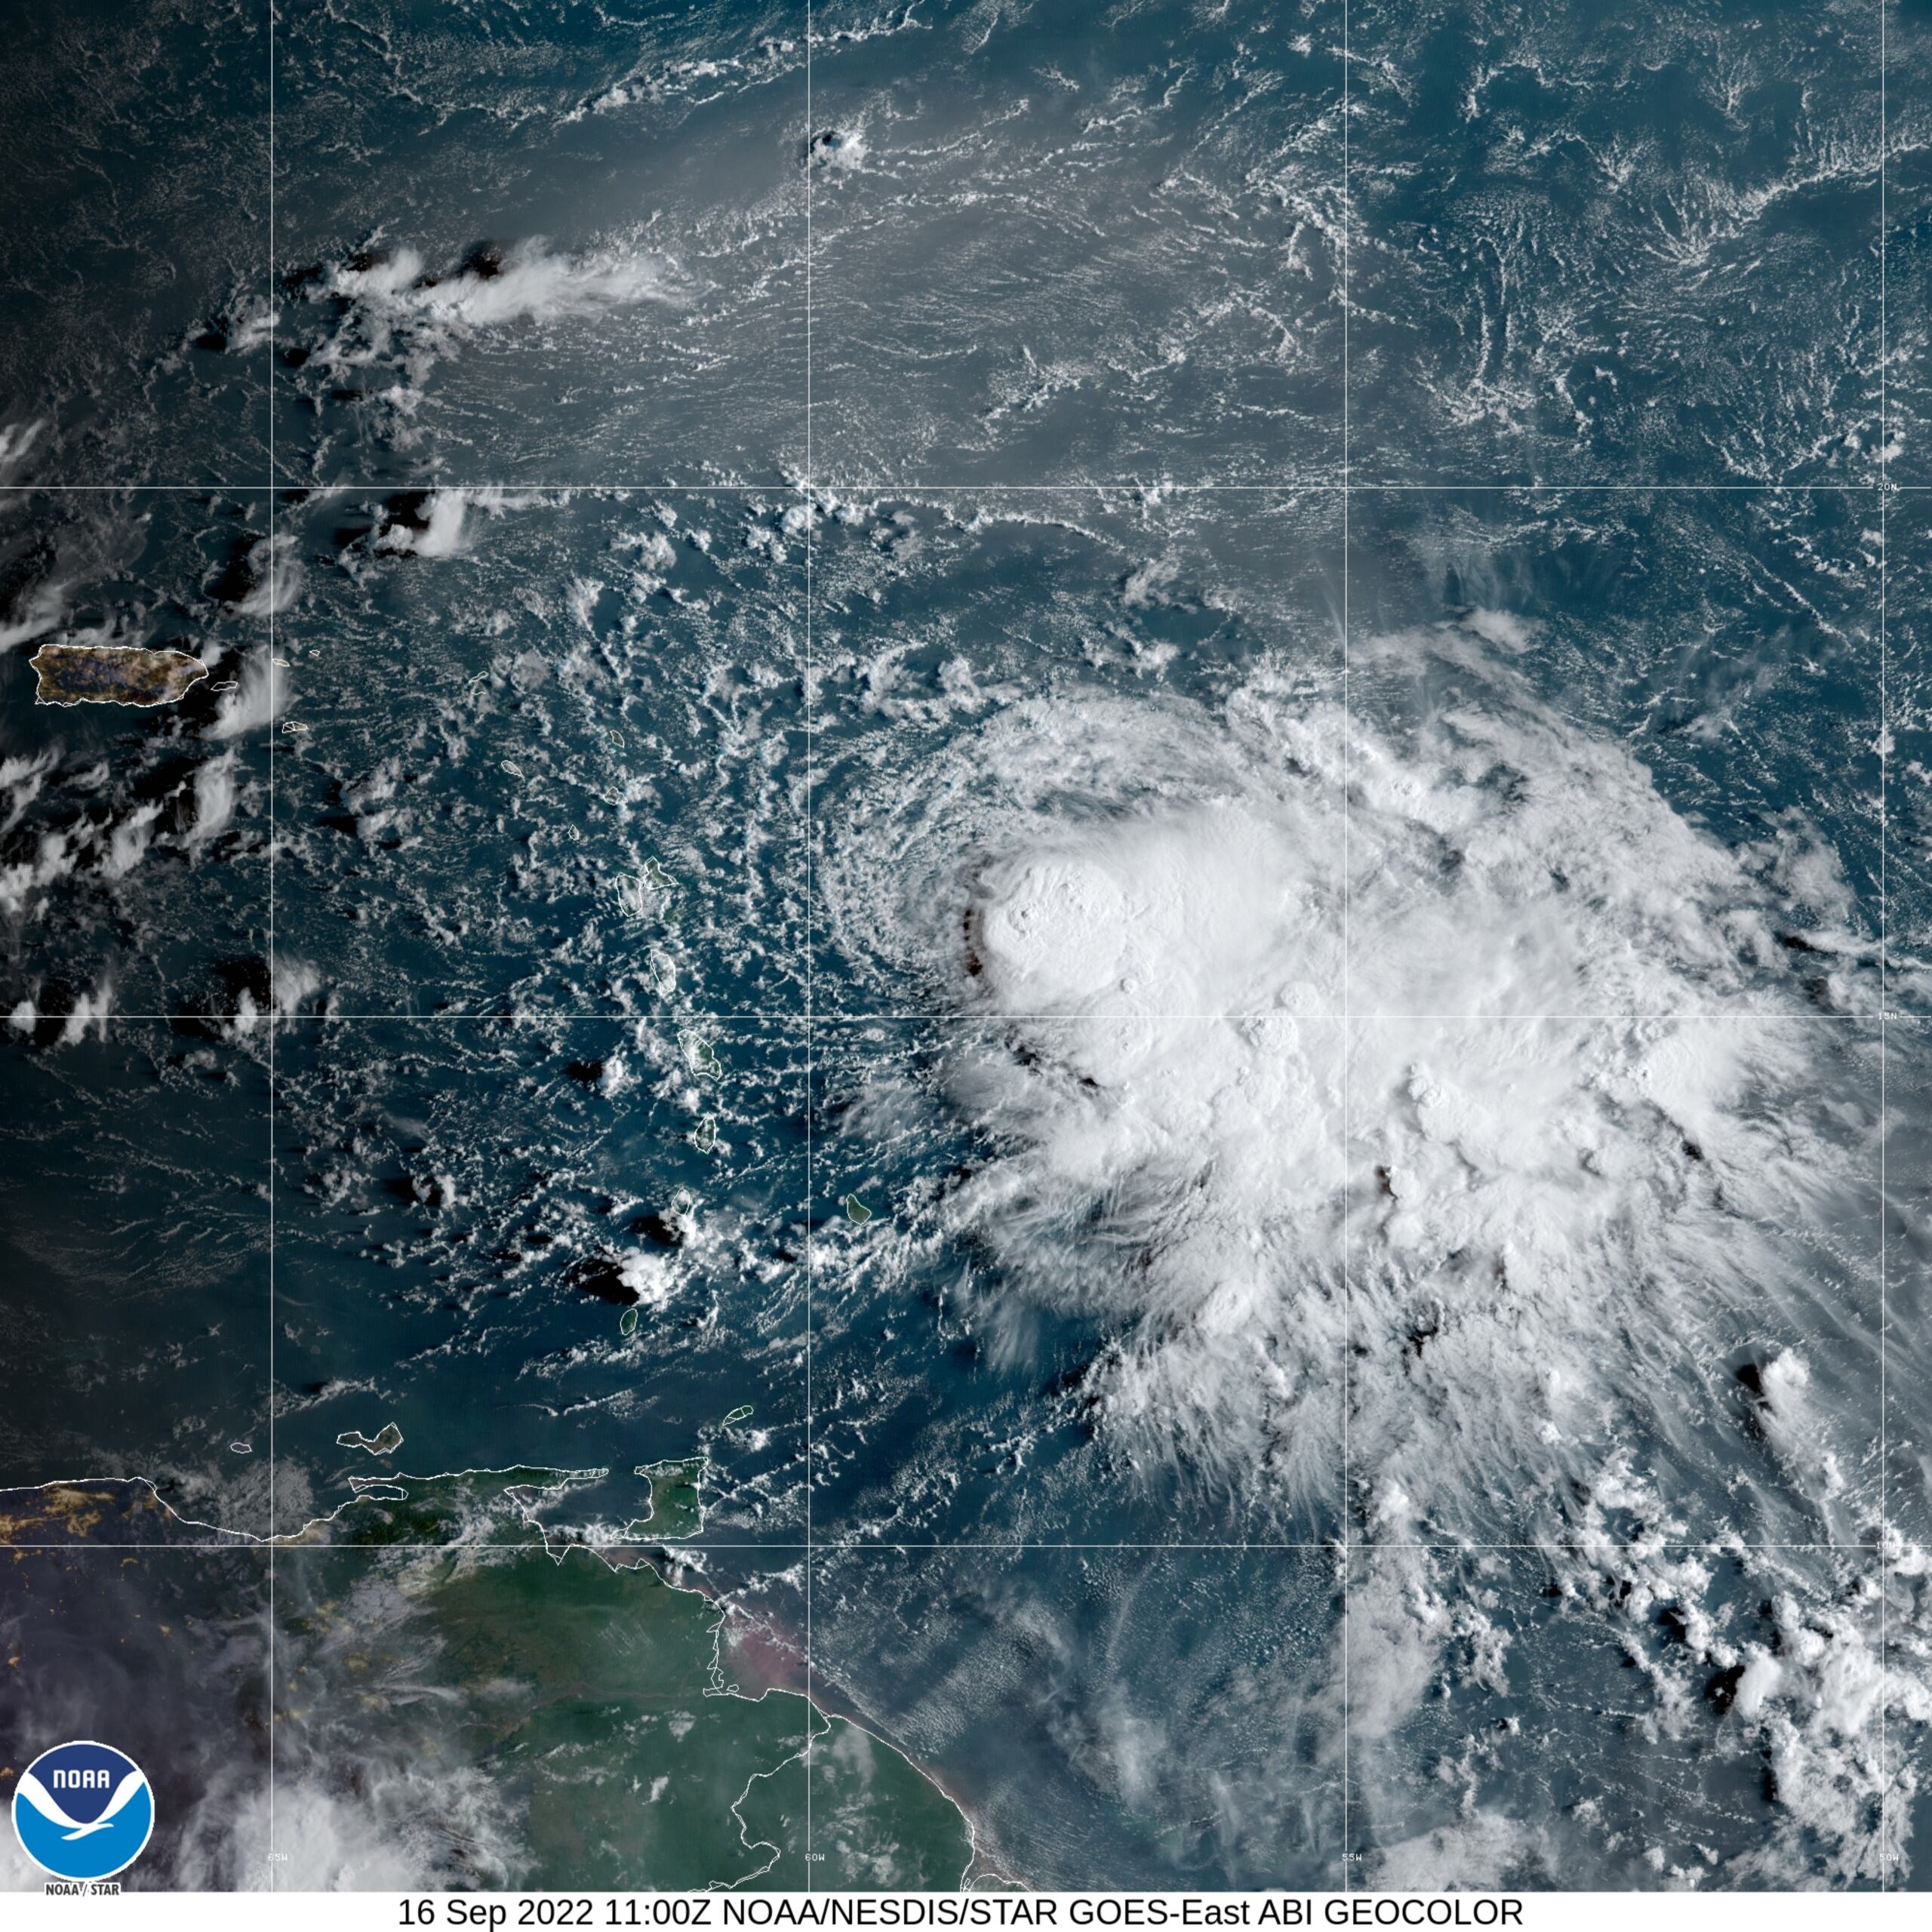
[778, 1019]
[270, 1547]
[811, 949]
[273, 1028]
[1133, 486]
[1884, 727]
[1305, 485]
[1348, 950]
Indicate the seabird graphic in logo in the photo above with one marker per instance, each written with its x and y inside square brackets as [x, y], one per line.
[83, 1810]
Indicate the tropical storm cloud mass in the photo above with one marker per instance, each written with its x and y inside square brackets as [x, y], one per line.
[958, 946]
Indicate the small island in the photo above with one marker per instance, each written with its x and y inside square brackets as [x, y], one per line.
[113, 674]
[386, 1441]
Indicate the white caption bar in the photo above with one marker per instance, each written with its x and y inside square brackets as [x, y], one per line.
[969, 1912]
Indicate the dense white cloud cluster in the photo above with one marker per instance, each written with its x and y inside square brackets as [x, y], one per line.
[1515, 1129]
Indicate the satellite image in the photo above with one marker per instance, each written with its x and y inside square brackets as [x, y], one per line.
[966, 943]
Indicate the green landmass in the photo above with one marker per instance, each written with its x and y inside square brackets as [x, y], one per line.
[677, 1500]
[386, 1441]
[601, 1708]
[498, 1628]
[551, 1707]
[473, 1507]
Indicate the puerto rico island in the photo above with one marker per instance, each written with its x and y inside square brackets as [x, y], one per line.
[114, 674]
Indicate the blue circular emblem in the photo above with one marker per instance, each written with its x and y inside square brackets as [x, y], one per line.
[83, 1810]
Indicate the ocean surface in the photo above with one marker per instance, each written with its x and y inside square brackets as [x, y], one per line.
[1036, 993]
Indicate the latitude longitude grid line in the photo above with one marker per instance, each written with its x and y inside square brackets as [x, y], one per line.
[1153, 489]
[269, 1547]
[777, 1020]
[1885, 757]
[811, 954]
[1348, 954]
[273, 1860]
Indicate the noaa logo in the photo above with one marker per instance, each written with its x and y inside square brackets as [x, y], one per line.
[83, 1810]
